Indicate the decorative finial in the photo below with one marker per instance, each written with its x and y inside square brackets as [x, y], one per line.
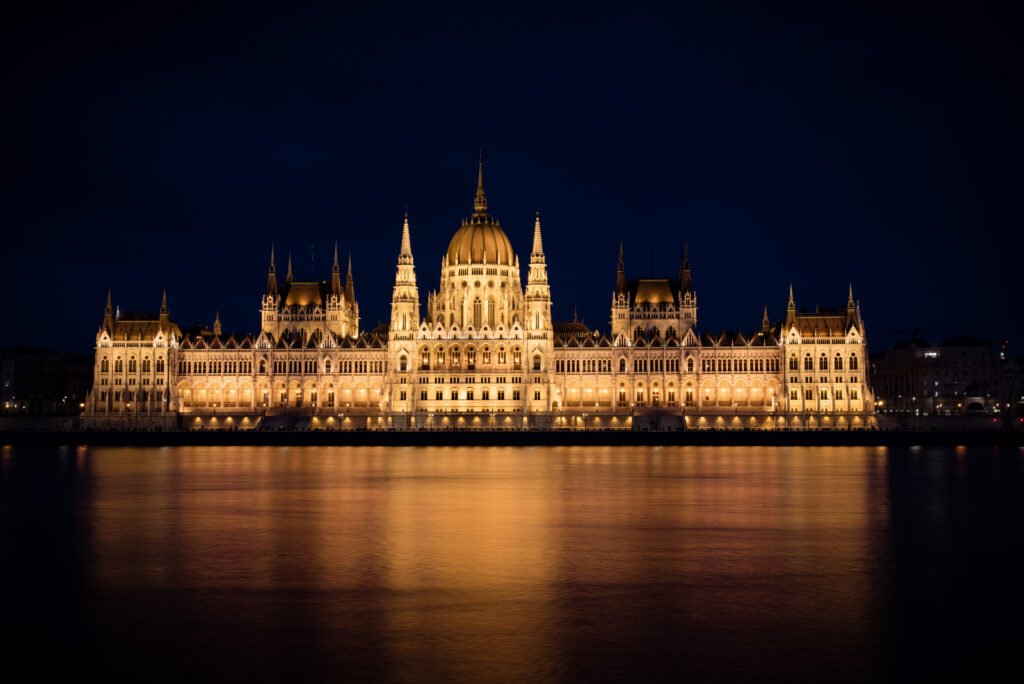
[335, 268]
[110, 302]
[272, 268]
[849, 301]
[792, 303]
[163, 302]
[288, 277]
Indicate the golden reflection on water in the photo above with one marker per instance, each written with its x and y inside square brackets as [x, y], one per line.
[476, 563]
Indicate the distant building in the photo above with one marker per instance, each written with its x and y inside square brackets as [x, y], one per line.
[41, 382]
[485, 353]
[958, 376]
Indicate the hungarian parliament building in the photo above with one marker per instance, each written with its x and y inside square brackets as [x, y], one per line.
[484, 355]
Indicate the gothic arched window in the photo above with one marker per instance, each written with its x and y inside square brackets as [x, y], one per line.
[853, 362]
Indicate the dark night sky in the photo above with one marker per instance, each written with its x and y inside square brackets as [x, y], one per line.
[147, 148]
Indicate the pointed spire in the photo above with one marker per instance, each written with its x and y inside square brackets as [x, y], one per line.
[575, 317]
[685, 278]
[336, 273]
[790, 309]
[405, 254]
[108, 314]
[216, 324]
[480, 201]
[538, 245]
[163, 303]
[765, 324]
[849, 301]
[620, 280]
[350, 287]
[272, 273]
[288, 277]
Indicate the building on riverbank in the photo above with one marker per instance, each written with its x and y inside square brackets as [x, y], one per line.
[959, 376]
[485, 353]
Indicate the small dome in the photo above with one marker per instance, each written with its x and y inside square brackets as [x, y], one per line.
[480, 240]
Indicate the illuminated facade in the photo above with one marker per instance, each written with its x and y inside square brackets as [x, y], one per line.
[486, 355]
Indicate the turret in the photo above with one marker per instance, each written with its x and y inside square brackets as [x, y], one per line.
[405, 297]
[538, 292]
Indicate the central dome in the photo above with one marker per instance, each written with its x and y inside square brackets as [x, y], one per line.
[480, 242]
[480, 239]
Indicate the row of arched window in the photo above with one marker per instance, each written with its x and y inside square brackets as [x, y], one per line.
[727, 365]
[837, 362]
[215, 367]
[583, 365]
[454, 358]
[133, 365]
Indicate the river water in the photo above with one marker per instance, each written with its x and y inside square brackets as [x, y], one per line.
[511, 564]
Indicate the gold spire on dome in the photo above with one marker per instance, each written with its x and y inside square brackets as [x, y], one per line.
[480, 201]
